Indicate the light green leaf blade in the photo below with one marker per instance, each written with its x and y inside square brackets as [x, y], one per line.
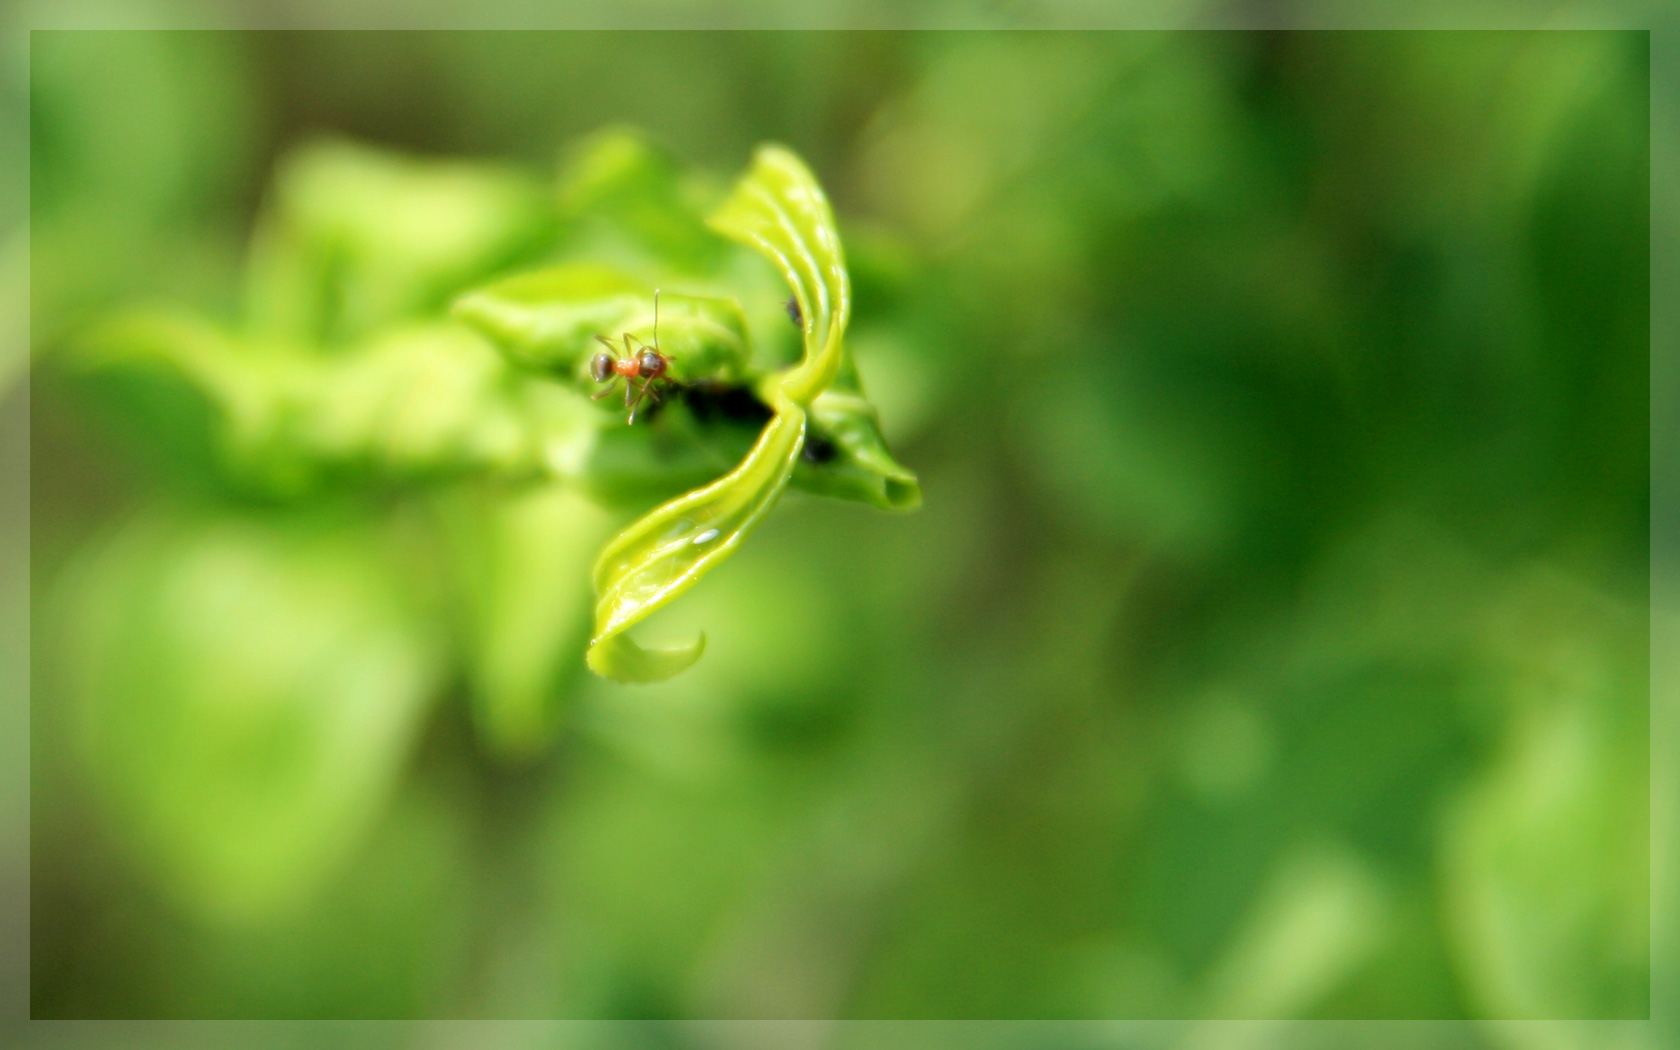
[779, 209]
[663, 554]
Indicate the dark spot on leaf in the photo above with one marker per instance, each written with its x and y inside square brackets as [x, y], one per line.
[715, 402]
[818, 449]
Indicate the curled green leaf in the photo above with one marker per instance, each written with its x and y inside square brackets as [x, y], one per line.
[778, 209]
[664, 553]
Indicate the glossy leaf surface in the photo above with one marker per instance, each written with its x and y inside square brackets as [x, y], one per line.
[778, 209]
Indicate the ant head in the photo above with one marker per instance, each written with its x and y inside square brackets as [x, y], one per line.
[651, 363]
[601, 367]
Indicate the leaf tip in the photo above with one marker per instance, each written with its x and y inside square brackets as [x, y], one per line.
[902, 492]
[618, 658]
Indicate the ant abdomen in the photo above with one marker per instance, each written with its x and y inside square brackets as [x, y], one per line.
[601, 367]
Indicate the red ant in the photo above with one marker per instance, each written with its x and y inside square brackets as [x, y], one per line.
[648, 364]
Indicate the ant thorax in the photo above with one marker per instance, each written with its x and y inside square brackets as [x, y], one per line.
[651, 363]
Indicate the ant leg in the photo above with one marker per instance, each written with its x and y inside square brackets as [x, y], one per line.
[605, 390]
[637, 406]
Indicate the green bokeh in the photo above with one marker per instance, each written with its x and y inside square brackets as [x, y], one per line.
[1271, 641]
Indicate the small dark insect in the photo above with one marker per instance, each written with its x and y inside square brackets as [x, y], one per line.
[793, 312]
[647, 364]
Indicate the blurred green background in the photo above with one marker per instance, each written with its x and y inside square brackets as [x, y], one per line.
[1273, 641]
